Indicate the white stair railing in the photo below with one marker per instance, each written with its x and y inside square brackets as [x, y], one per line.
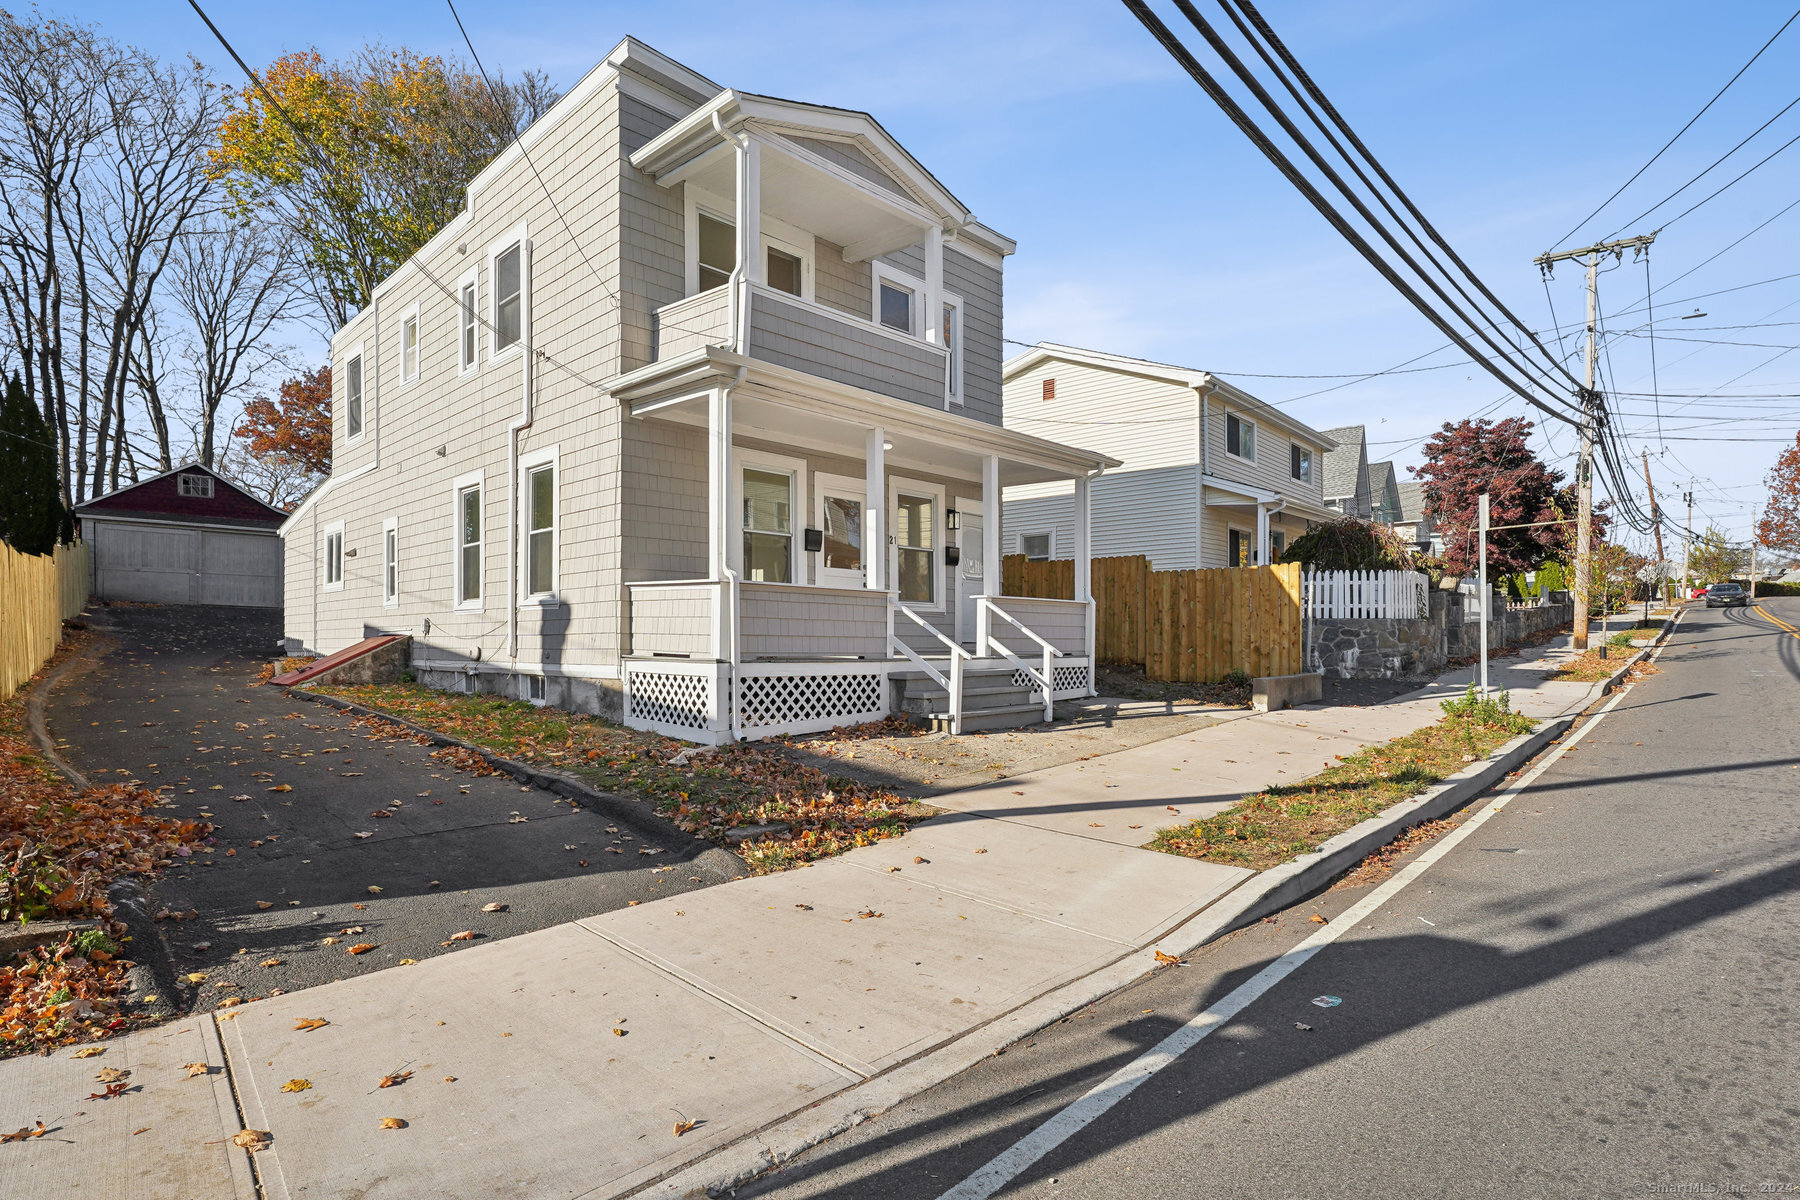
[1042, 677]
[953, 684]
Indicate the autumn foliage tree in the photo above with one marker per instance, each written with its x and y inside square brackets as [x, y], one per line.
[289, 437]
[386, 144]
[1779, 526]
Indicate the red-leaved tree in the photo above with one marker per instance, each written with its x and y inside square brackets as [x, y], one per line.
[289, 438]
[1469, 457]
[1779, 526]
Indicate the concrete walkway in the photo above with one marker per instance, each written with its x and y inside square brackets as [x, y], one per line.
[558, 1063]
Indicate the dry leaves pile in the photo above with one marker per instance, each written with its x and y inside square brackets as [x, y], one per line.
[270, 670]
[54, 994]
[810, 814]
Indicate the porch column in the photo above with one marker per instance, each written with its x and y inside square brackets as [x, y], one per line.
[932, 321]
[875, 556]
[719, 526]
[992, 513]
[1084, 563]
[749, 209]
[1262, 535]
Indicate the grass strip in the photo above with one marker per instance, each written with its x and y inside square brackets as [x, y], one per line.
[1283, 822]
[806, 813]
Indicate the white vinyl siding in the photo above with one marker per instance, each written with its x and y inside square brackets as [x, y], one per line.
[1119, 504]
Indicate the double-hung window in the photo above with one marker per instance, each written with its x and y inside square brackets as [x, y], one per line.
[1300, 465]
[951, 333]
[768, 525]
[509, 296]
[1240, 437]
[334, 556]
[895, 306]
[409, 347]
[717, 250]
[468, 544]
[540, 530]
[468, 342]
[915, 539]
[353, 396]
[390, 562]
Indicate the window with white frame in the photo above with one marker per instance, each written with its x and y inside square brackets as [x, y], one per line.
[409, 346]
[1240, 437]
[1300, 464]
[1238, 544]
[540, 529]
[1277, 544]
[468, 322]
[768, 524]
[390, 561]
[952, 335]
[897, 299]
[509, 295]
[717, 250]
[785, 272]
[199, 487]
[334, 556]
[468, 543]
[915, 543]
[353, 396]
[1036, 546]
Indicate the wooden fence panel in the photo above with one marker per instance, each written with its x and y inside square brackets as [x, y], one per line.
[37, 593]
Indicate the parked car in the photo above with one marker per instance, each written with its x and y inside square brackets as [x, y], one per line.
[1724, 595]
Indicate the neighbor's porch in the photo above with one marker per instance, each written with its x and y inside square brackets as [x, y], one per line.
[848, 538]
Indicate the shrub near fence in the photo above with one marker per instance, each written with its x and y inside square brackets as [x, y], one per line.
[38, 592]
[1192, 626]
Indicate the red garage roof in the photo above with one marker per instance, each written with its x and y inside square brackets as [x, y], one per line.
[160, 498]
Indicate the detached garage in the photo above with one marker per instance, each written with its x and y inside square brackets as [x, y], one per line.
[187, 536]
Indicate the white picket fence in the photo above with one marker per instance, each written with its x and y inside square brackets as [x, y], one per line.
[1353, 595]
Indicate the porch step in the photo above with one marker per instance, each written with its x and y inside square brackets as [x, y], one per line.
[1011, 716]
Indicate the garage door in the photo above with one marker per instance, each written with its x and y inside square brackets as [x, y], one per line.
[165, 565]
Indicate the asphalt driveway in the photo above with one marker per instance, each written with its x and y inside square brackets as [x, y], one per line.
[329, 828]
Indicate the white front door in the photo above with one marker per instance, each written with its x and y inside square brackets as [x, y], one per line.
[969, 573]
[840, 517]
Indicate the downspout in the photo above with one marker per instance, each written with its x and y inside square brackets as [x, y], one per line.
[739, 318]
[738, 315]
[732, 595]
[1205, 392]
[513, 430]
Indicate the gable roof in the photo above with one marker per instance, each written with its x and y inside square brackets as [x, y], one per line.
[1343, 466]
[1381, 478]
[159, 498]
[1412, 501]
[1148, 369]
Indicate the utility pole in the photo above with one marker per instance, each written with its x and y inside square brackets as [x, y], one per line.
[1656, 517]
[1687, 542]
[1753, 551]
[1590, 414]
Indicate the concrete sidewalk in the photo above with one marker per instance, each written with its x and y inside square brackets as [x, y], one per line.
[558, 1063]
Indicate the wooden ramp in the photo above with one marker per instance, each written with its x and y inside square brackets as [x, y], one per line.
[332, 662]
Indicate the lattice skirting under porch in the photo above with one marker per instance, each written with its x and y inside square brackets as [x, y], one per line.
[675, 698]
[1068, 680]
[777, 698]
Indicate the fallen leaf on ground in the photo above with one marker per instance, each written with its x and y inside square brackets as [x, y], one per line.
[395, 1080]
[618, 1033]
[682, 1127]
[145, 1129]
[868, 913]
[1316, 919]
[1166, 958]
[467, 935]
[194, 1069]
[330, 941]
[265, 904]
[112, 1089]
[311, 1023]
[110, 1075]
[282, 787]
[449, 1079]
[19, 1135]
[361, 948]
[373, 890]
[296, 1085]
[252, 1139]
[89, 1052]
[202, 946]
[407, 962]
[270, 962]
[392, 1123]
[917, 859]
[496, 906]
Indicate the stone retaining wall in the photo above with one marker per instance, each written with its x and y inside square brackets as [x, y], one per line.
[1420, 649]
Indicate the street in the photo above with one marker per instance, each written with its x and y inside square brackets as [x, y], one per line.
[1593, 994]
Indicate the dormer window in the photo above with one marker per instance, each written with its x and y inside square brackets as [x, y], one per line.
[199, 487]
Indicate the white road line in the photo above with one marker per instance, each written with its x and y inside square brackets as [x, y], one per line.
[1008, 1165]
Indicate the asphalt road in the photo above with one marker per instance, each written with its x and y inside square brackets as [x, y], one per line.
[1592, 994]
[171, 703]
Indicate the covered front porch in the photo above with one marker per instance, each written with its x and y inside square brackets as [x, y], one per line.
[849, 538]
[1249, 526]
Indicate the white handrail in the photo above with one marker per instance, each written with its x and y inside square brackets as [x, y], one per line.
[953, 686]
[1044, 677]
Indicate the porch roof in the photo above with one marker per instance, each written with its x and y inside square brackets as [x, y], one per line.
[1235, 493]
[805, 410]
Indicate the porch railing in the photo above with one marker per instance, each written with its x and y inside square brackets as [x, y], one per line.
[951, 683]
[985, 612]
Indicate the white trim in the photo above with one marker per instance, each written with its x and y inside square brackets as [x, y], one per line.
[967, 506]
[1309, 460]
[880, 271]
[549, 456]
[518, 236]
[1249, 536]
[459, 485]
[956, 360]
[468, 323]
[719, 209]
[1048, 533]
[411, 315]
[916, 487]
[796, 470]
[390, 529]
[852, 488]
[568, 670]
[326, 559]
[174, 522]
[356, 355]
[1242, 421]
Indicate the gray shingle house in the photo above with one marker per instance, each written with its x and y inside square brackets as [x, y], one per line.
[692, 419]
[1347, 484]
[1384, 494]
[1415, 524]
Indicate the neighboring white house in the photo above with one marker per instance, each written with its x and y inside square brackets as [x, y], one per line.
[1348, 488]
[690, 418]
[1234, 497]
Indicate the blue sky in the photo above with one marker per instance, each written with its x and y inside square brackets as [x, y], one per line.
[1147, 225]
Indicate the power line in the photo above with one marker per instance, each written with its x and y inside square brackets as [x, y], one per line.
[1690, 124]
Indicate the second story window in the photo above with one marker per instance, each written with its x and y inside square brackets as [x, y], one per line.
[197, 486]
[1240, 437]
[409, 348]
[896, 305]
[1300, 465]
[786, 272]
[508, 300]
[718, 251]
[952, 343]
[466, 332]
[353, 397]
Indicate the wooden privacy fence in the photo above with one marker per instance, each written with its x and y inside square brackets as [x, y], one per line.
[1353, 595]
[38, 592]
[1194, 626]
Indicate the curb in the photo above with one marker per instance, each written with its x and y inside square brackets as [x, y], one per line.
[734, 1165]
[702, 853]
